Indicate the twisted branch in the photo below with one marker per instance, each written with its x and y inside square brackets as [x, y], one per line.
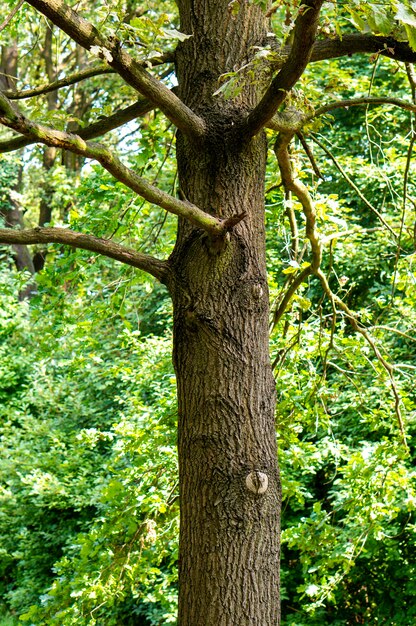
[298, 188]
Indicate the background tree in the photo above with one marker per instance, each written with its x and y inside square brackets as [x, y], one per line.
[216, 272]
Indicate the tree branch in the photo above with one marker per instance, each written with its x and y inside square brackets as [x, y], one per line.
[11, 15]
[359, 44]
[350, 44]
[77, 77]
[12, 118]
[291, 290]
[299, 56]
[147, 263]
[58, 84]
[97, 129]
[309, 154]
[388, 367]
[291, 183]
[85, 34]
[353, 102]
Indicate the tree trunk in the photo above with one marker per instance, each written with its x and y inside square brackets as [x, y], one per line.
[229, 482]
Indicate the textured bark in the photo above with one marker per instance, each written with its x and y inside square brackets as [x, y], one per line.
[229, 545]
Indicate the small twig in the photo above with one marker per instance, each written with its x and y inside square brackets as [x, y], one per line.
[11, 15]
[89, 72]
[397, 331]
[346, 233]
[281, 356]
[367, 129]
[289, 293]
[294, 230]
[309, 154]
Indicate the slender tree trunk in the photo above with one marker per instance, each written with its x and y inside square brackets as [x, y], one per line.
[229, 482]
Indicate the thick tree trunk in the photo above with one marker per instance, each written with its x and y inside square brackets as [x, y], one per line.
[229, 482]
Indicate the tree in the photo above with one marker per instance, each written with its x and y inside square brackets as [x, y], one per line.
[216, 274]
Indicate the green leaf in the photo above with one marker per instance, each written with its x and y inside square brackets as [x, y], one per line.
[411, 36]
[172, 33]
[406, 14]
[379, 19]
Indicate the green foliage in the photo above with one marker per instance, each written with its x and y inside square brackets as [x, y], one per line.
[88, 470]
[348, 481]
[9, 174]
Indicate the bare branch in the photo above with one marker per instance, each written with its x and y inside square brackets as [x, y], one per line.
[11, 15]
[361, 44]
[350, 44]
[353, 102]
[91, 150]
[147, 263]
[97, 129]
[85, 34]
[300, 52]
[58, 84]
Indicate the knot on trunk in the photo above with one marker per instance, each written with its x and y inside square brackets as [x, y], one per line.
[257, 482]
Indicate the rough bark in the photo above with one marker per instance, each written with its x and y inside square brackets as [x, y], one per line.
[229, 544]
